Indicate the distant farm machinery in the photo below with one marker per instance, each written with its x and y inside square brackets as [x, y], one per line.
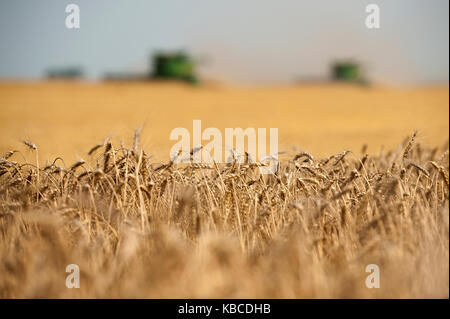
[175, 66]
[348, 71]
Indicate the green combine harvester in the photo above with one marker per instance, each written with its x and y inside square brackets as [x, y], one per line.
[348, 72]
[177, 66]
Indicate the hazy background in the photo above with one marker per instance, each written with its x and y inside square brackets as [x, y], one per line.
[252, 41]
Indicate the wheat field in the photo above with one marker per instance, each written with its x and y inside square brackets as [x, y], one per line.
[65, 119]
[357, 185]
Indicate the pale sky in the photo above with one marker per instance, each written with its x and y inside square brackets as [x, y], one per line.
[249, 41]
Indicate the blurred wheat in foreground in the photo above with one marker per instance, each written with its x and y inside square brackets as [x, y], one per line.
[138, 229]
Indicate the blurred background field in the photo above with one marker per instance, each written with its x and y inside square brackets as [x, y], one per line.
[67, 118]
[314, 70]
